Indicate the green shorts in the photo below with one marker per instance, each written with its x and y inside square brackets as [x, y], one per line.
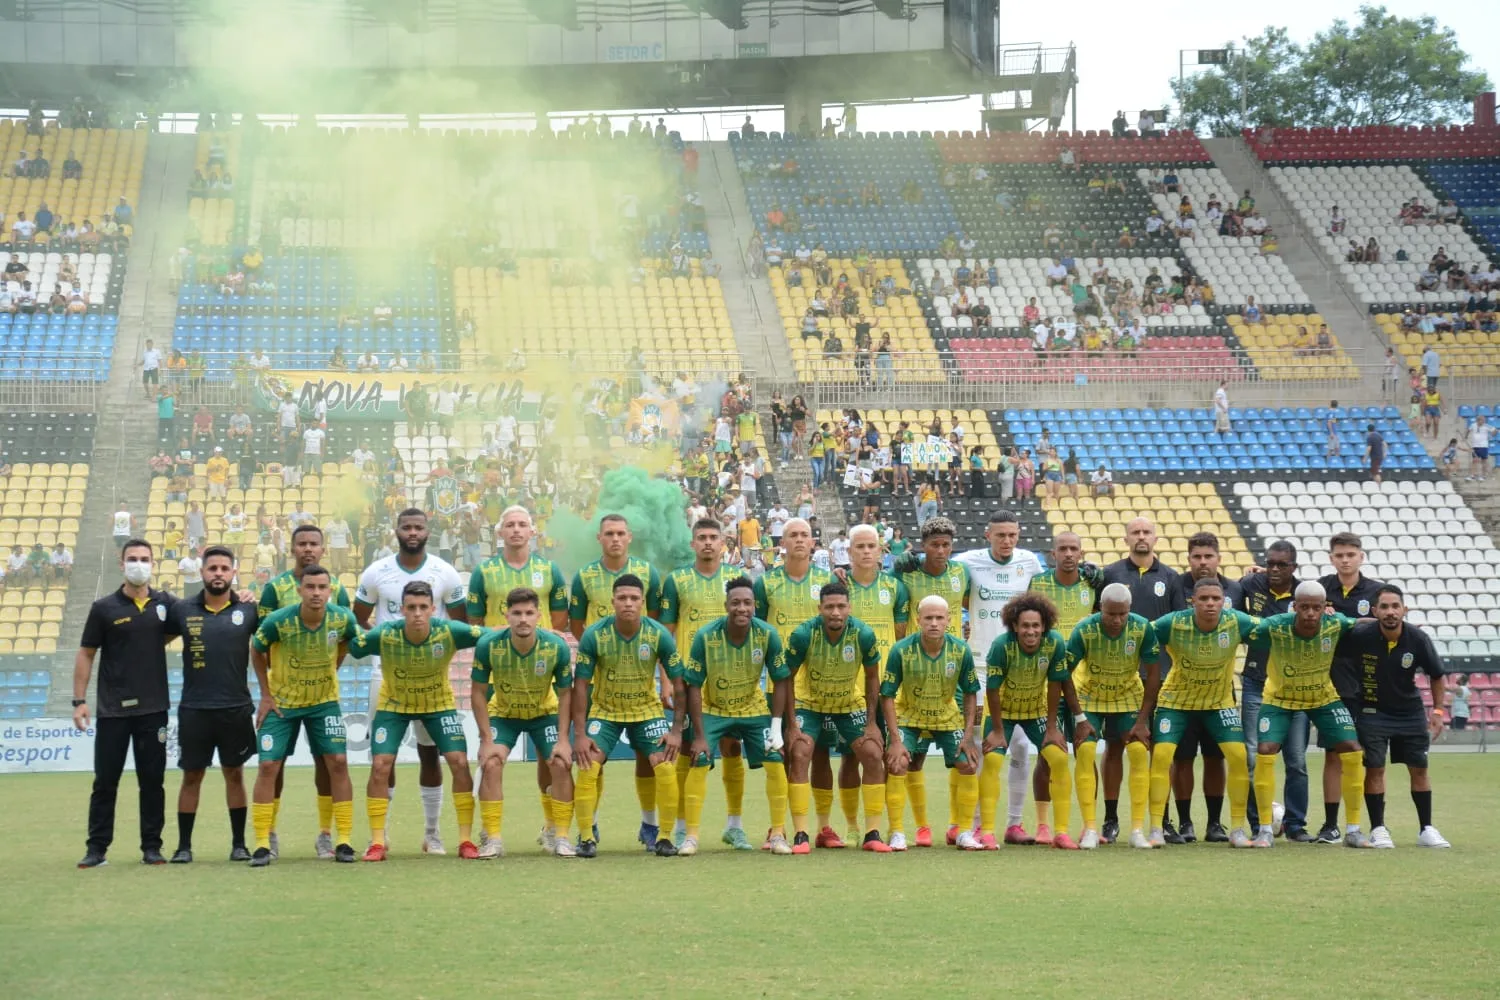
[1221, 724]
[832, 730]
[752, 732]
[445, 729]
[1035, 730]
[1335, 724]
[917, 742]
[645, 737]
[325, 731]
[542, 731]
[1110, 725]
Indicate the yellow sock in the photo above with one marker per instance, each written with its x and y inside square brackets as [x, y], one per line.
[874, 799]
[776, 793]
[1161, 780]
[968, 792]
[275, 812]
[695, 789]
[798, 794]
[991, 779]
[325, 813]
[683, 765]
[562, 815]
[1237, 759]
[548, 819]
[849, 800]
[1139, 759]
[646, 792]
[916, 794]
[1265, 786]
[463, 804]
[895, 801]
[375, 810]
[666, 797]
[1353, 784]
[732, 770]
[1060, 784]
[343, 818]
[492, 817]
[1086, 781]
[823, 799]
[584, 799]
[954, 819]
[263, 816]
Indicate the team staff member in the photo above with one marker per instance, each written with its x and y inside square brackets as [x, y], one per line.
[128, 630]
[1391, 715]
[215, 713]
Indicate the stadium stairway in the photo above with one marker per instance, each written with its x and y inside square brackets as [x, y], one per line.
[1319, 278]
[126, 434]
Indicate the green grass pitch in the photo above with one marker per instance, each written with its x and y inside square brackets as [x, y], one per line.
[1199, 921]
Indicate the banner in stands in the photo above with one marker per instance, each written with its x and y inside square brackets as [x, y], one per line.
[652, 416]
[382, 395]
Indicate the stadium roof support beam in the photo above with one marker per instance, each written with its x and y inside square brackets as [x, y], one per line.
[730, 13]
[896, 10]
[563, 13]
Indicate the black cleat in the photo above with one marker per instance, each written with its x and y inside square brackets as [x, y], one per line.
[1298, 836]
[1187, 833]
[1170, 835]
[343, 854]
[665, 848]
[1216, 834]
[152, 857]
[261, 858]
[182, 856]
[1329, 835]
[801, 843]
[1111, 831]
[588, 849]
[239, 853]
[93, 859]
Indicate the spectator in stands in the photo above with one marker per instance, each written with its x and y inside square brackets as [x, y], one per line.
[23, 229]
[1432, 364]
[72, 168]
[1302, 345]
[1336, 221]
[161, 463]
[218, 475]
[1251, 312]
[16, 572]
[166, 412]
[203, 425]
[833, 346]
[1433, 407]
[1154, 224]
[60, 562]
[1374, 451]
[1067, 160]
[368, 362]
[1056, 273]
[1221, 409]
[123, 213]
[44, 219]
[1449, 458]
[1480, 432]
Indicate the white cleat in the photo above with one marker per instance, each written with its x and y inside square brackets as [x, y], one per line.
[275, 847]
[547, 840]
[1429, 837]
[1265, 838]
[689, 847]
[1278, 818]
[432, 843]
[1138, 840]
[968, 842]
[490, 850]
[324, 846]
[562, 847]
[1089, 840]
[1239, 838]
[1158, 839]
[778, 845]
[1381, 839]
[897, 842]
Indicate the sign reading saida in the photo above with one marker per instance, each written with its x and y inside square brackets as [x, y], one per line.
[382, 395]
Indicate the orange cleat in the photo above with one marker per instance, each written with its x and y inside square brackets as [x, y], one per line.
[375, 852]
[829, 838]
[1063, 842]
[988, 842]
[1043, 835]
[801, 845]
[874, 844]
[952, 836]
[1017, 834]
[468, 851]
[924, 836]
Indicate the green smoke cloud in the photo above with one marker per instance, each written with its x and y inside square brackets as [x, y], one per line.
[654, 507]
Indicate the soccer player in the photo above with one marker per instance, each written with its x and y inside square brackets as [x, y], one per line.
[524, 674]
[691, 597]
[414, 652]
[1106, 652]
[930, 694]
[490, 585]
[880, 601]
[1299, 648]
[837, 668]
[279, 592]
[726, 704]
[379, 598]
[624, 651]
[1391, 715]
[1201, 643]
[296, 653]
[590, 600]
[1028, 663]
[785, 597]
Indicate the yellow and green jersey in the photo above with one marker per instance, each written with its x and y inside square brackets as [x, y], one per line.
[729, 674]
[881, 604]
[494, 579]
[414, 675]
[691, 600]
[1107, 669]
[281, 592]
[304, 661]
[785, 602]
[831, 671]
[952, 585]
[591, 599]
[1075, 601]
[1202, 673]
[929, 689]
[1022, 677]
[623, 669]
[1298, 667]
[523, 685]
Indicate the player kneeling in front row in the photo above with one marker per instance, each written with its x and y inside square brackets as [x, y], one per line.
[414, 652]
[525, 675]
[930, 694]
[725, 700]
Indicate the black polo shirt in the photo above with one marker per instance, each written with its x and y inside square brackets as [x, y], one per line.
[1154, 591]
[130, 638]
[1185, 583]
[215, 651]
[1256, 598]
[1388, 671]
[1358, 602]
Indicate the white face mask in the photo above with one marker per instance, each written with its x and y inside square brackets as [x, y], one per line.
[137, 573]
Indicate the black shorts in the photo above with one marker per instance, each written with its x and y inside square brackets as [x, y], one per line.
[201, 731]
[1195, 741]
[150, 376]
[1405, 740]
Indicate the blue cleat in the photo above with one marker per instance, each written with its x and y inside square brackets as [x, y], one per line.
[648, 835]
